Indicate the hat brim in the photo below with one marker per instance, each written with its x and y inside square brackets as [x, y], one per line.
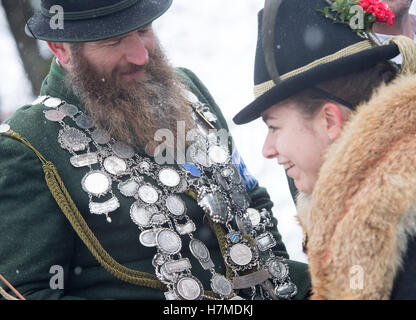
[287, 88]
[101, 28]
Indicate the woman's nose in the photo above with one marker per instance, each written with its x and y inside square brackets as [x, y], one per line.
[269, 148]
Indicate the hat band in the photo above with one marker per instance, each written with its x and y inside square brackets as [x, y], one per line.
[262, 88]
[92, 13]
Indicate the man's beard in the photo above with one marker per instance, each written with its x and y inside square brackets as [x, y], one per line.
[133, 111]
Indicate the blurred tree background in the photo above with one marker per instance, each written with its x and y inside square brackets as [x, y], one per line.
[35, 64]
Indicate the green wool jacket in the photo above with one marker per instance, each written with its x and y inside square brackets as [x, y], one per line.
[37, 243]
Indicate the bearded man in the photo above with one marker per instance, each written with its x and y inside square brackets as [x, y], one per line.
[88, 210]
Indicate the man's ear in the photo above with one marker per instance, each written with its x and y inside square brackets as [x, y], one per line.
[61, 51]
[332, 114]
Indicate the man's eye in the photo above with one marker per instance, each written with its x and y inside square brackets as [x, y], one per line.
[115, 43]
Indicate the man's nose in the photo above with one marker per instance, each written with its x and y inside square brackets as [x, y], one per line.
[269, 149]
[137, 52]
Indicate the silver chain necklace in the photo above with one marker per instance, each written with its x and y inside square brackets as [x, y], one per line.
[161, 214]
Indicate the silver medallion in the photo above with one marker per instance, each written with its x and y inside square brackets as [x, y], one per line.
[73, 140]
[148, 194]
[186, 228]
[4, 127]
[104, 207]
[115, 165]
[189, 288]
[100, 136]
[199, 154]
[250, 280]
[199, 250]
[123, 150]
[140, 215]
[96, 183]
[286, 290]
[144, 166]
[254, 216]
[218, 154]
[148, 238]
[84, 160]
[241, 254]
[265, 241]
[84, 122]
[215, 205]
[177, 266]
[158, 219]
[171, 277]
[176, 206]
[168, 241]
[240, 198]
[169, 177]
[278, 268]
[69, 110]
[129, 188]
[53, 102]
[221, 285]
[54, 115]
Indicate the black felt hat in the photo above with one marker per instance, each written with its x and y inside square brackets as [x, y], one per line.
[307, 49]
[92, 20]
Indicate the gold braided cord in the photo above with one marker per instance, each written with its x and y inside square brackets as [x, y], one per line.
[262, 88]
[68, 207]
[407, 48]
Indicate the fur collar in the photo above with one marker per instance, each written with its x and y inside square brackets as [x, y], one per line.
[363, 207]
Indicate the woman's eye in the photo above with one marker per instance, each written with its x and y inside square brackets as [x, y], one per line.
[273, 129]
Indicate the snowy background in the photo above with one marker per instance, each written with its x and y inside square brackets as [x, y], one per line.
[216, 39]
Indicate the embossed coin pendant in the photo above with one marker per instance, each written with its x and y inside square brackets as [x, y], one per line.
[169, 177]
[168, 241]
[189, 288]
[115, 165]
[96, 183]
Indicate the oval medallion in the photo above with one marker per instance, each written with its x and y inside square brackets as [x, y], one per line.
[176, 206]
[68, 109]
[96, 183]
[52, 102]
[221, 285]
[123, 150]
[140, 215]
[148, 238]
[277, 268]
[199, 250]
[84, 122]
[189, 288]
[72, 139]
[101, 136]
[115, 165]
[54, 115]
[254, 216]
[218, 154]
[168, 241]
[241, 254]
[4, 127]
[148, 194]
[169, 177]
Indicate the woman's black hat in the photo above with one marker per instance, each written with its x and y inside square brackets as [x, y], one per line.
[307, 49]
[92, 20]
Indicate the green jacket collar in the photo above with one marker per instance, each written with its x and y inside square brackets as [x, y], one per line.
[54, 85]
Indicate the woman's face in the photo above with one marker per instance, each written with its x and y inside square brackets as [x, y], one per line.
[299, 144]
